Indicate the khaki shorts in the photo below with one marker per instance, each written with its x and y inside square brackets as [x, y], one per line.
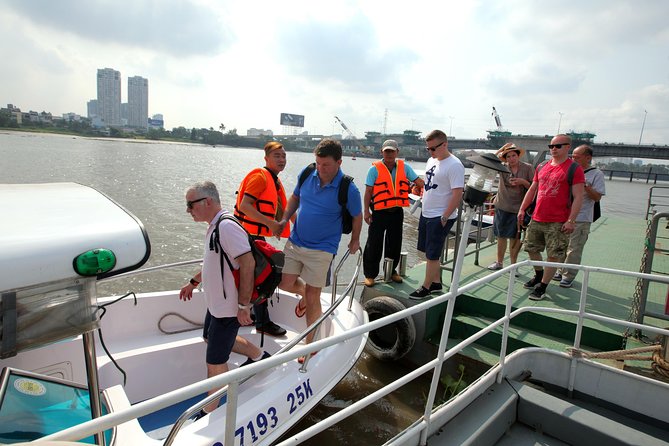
[548, 236]
[311, 265]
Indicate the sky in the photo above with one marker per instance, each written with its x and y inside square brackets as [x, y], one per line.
[384, 66]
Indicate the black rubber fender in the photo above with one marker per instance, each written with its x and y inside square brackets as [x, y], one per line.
[393, 341]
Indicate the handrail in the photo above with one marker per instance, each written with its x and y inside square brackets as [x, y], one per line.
[109, 421]
[580, 314]
[648, 267]
[650, 207]
[230, 421]
[152, 269]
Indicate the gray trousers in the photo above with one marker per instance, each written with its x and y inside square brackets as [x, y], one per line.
[577, 241]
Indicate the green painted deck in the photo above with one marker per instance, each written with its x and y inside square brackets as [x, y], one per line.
[616, 243]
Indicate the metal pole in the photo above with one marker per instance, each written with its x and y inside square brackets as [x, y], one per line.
[445, 330]
[559, 122]
[93, 384]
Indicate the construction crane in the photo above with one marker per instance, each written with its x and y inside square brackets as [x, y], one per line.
[352, 136]
[498, 121]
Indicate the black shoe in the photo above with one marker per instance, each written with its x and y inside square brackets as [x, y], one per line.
[435, 286]
[420, 293]
[538, 292]
[270, 328]
[265, 355]
[534, 281]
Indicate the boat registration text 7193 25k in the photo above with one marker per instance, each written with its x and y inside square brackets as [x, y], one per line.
[262, 423]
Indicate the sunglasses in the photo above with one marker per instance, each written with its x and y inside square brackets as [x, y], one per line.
[189, 204]
[558, 146]
[432, 149]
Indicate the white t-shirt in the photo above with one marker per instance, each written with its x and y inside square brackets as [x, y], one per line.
[596, 179]
[441, 177]
[235, 242]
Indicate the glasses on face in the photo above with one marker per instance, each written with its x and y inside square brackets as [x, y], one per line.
[189, 204]
[432, 149]
[558, 146]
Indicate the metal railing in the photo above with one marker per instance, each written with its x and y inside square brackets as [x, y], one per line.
[231, 391]
[444, 354]
[237, 375]
[476, 234]
[658, 197]
[651, 249]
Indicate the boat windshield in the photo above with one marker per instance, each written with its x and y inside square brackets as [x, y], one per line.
[35, 406]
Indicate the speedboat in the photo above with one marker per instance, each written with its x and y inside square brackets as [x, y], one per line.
[141, 373]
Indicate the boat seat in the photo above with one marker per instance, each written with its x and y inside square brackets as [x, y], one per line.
[483, 421]
[130, 431]
[575, 424]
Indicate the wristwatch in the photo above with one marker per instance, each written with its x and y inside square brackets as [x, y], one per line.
[243, 307]
[194, 282]
[573, 222]
[444, 219]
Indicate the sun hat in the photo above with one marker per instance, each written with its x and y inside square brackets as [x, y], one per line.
[390, 144]
[509, 147]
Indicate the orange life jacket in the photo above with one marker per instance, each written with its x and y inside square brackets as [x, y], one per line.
[266, 203]
[385, 194]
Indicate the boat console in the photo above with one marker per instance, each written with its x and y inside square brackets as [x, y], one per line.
[59, 240]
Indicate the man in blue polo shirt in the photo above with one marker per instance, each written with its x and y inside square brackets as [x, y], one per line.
[316, 234]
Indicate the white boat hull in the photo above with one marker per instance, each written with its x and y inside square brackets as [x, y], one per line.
[157, 363]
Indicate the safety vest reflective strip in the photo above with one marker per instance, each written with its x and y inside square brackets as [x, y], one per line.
[266, 204]
[385, 194]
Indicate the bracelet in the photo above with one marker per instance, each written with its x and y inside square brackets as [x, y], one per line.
[243, 307]
[193, 282]
[573, 222]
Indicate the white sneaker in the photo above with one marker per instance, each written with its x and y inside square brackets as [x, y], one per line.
[494, 266]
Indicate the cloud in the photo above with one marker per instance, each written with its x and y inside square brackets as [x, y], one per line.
[347, 54]
[180, 28]
[532, 78]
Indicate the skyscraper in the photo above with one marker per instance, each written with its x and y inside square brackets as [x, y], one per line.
[138, 102]
[109, 96]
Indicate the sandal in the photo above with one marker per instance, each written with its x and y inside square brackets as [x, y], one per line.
[302, 358]
[299, 310]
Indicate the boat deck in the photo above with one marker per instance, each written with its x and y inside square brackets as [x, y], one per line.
[614, 242]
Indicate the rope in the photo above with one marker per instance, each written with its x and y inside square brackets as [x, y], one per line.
[183, 330]
[659, 365]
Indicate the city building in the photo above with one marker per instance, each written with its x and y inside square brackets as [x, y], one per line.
[259, 132]
[109, 96]
[138, 102]
[92, 108]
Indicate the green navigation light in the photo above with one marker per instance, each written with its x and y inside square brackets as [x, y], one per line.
[94, 262]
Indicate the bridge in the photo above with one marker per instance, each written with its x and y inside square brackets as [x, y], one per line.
[414, 148]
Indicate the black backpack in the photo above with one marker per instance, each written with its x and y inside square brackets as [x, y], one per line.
[269, 263]
[342, 197]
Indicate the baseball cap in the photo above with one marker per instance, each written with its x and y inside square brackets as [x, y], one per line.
[390, 144]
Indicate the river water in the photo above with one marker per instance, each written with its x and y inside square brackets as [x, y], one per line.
[149, 179]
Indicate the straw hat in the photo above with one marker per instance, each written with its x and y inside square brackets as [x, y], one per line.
[509, 147]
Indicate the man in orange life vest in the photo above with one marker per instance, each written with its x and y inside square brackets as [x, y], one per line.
[386, 194]
[261, 200]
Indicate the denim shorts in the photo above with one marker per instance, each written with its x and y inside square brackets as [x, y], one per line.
[505, 224]
[432, 235]
[220, 334]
